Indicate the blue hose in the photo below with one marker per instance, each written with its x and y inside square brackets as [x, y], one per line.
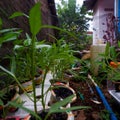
[112, 115]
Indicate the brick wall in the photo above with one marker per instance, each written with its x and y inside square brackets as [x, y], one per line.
[8, 7]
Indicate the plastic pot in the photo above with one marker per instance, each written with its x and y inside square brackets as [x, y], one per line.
[61, 91]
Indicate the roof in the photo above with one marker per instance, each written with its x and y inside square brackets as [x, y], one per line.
[89, 4]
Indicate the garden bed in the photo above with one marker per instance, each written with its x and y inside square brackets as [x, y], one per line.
[97, 111]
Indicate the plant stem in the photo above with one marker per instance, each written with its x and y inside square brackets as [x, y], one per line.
[4, 115]
[42, 91]
[46, 117]
[33, 70]
[17, 81]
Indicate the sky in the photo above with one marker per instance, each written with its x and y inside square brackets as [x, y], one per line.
[79, 2]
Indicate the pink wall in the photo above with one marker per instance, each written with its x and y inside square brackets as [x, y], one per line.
[103, 21]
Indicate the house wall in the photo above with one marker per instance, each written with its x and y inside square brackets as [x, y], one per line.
[103, 30]
[117, 21]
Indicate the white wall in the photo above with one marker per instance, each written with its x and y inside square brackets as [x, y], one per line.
[102, 21]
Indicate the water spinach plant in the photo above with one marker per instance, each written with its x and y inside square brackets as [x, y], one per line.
[47, 64]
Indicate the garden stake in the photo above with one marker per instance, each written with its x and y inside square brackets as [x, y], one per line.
[107, 106]
[93, 99]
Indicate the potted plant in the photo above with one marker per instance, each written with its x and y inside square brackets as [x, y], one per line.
[23, 63]
[60, 91]
[9, 94]
[110, 63]
[8, 90]
[46, 65]
[61, 61]
[114, 76]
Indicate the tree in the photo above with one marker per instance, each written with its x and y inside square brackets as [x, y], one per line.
[73, 18]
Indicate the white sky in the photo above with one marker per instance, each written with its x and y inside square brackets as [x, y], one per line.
[80, 2]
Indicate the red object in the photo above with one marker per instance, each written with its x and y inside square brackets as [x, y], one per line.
[114, 64]
[12, 117]
[27, 117]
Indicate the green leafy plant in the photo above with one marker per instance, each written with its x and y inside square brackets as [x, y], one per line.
[72, 17]
[109, 63]
[23, 61]
[47, 61]
[7, 36]
[104, 115]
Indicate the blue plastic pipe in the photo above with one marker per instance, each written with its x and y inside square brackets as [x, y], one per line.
[107, 106]
[112, 115]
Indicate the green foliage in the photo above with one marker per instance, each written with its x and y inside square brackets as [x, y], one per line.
[1, 22]
[105, 115]
[7, 35]
[80, 75]
[55, 107]
[29, 52]
[109, 72]
[35, 19]
[111, 52]
[58, 58]
[114, 74]
[22, 60]
[17, 14]
[73, 18]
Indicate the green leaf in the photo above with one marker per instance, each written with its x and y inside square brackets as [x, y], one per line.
[28, 41]
[112, 52]
[8, 72]
[57, 107]
[59, 104]
[60, 29]
[8, 30]
[17, 14]
[12, 75]
[118, 43]
[71, 108]
[9, 35]
[1, 22]
[1, 102]
[35, 19]
[18, 47]
[107, 49]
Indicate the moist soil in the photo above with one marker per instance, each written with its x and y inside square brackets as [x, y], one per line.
[85, 98]
[60, 90]
[54, 116]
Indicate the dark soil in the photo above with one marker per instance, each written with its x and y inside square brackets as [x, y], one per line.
[8, 96]
[84, 98]
[54, 116]
[60, 90]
